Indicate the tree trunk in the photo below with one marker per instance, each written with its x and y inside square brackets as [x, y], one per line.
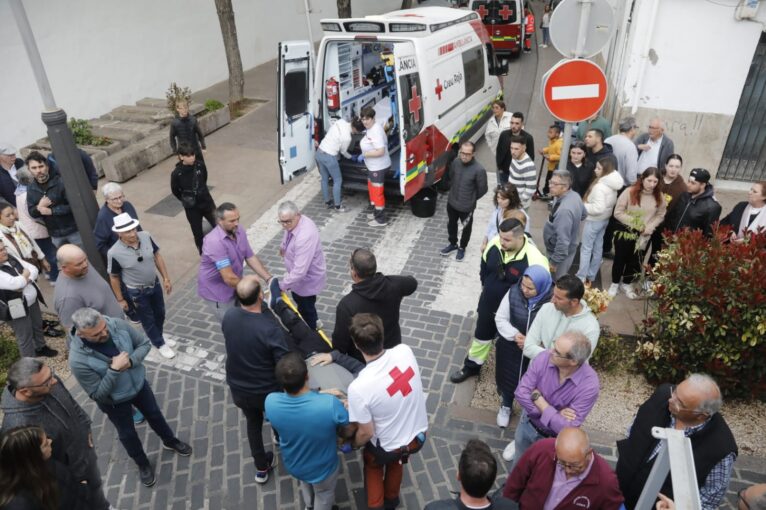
[233, 59]
[406, 4]
[344, 8]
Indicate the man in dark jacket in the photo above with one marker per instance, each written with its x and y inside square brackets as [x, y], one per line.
[654, 147]
[693, 407]
[254, 343]
[372, 292]
[47, 200]
[562, 230]
[9, 165]
[503, 155]
[697, 207]
[184, 128]
[188, 183]
[468, 184]
[596, 148]
[36, 396]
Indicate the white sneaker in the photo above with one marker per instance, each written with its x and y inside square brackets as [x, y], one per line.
[629, 291]
[167, 352]
[614, 289]
[169, 341]
[509, 451]
[503, 417]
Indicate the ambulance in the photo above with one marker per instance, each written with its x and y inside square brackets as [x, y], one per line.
[430, 74]
[504, 21]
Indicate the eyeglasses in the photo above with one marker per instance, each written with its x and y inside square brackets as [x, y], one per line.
[552, 183]
[741, 497]
[557, 354]
[46, 383]
[680, 405]
[466, 153]
[285, 222]
[115, 199]
[574, 466]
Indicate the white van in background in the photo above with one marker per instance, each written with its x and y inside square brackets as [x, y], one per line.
[429, 72]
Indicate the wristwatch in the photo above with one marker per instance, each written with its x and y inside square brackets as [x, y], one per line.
[535, 395]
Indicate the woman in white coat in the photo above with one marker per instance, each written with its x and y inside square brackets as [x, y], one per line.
[599, 202]
[499, 122]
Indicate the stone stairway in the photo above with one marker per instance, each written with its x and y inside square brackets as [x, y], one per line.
[139, 135]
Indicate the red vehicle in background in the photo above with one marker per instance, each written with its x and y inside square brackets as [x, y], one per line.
[504, 21]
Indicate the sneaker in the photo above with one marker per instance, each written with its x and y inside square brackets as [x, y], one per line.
[330, 204]
[509, 451]
[614, 289]
[461, 375]
[138, 417]
[275, 292]
[262, 475]
[370, 216]
[146, 473]
[340, 208]
[46, 352]
[376, 223]
[167, 352]
[648, 286]
[169, 341]
[460, 254]
[629, 291]
[178, 446]
[448, 249]
[503, 417]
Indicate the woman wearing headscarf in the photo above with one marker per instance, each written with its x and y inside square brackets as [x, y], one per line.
[515, 314]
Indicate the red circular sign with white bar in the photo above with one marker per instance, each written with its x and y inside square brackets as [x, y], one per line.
[574, 90]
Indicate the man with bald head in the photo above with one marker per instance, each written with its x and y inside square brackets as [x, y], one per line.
[693, 407]
[563, 472]
[78, 287]
[654, 147]
[255, 342]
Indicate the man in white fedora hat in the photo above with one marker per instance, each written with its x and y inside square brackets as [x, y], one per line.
[132, 260]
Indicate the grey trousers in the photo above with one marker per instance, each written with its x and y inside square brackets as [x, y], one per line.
[320, 496]
[29, 331]
[95, 484]
[565, 266]
[219, 307]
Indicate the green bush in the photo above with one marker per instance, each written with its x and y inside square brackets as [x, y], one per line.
[613, 352]
[709, 314]
[176, 94]
[81, 131]
[9, 353]
[212, 105]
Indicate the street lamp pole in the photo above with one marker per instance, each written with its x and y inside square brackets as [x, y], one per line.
[69, 163]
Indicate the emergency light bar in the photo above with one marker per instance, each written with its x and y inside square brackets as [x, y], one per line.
[364, 26]
[407, 27]
[439, 26]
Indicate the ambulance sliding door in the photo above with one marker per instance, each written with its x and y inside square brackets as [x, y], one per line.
[295, 120]
[415, 153]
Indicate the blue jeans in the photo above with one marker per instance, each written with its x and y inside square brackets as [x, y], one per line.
[546, 36]
[73, 238]
[525, 436]
[329, 167]
[591, 249]
[46, 245]
[121, 416]
[307, 308]
[150, 307]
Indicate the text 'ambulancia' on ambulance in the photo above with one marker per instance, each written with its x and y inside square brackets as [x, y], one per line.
[429, 73]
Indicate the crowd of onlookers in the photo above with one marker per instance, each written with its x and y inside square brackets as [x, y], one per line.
[360, 386]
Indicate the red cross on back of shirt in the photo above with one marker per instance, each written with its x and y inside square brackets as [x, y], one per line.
[401, 381]
[505, 12]
[414, 104]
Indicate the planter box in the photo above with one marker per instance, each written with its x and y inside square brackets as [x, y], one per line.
[212, 121]
[136, 158]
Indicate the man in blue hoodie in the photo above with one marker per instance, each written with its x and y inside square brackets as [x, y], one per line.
[106, 357]
[562, 230]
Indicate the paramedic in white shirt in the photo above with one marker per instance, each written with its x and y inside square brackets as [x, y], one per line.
[335, 142]
[374, 147]
[387, 402]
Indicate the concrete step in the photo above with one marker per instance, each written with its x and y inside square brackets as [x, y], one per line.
[194, 108]
[141, 114]
[123, 131]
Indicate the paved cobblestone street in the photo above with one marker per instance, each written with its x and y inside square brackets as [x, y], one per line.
[192, 391]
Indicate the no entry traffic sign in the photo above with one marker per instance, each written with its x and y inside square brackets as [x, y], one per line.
[574, 90]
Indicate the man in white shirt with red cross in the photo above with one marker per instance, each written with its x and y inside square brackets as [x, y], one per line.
[387, 402]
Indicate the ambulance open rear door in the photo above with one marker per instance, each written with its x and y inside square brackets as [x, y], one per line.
[295, 118]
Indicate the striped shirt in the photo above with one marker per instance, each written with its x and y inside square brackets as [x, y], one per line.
[524, 177]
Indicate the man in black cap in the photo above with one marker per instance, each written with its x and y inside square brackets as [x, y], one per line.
[697, 207]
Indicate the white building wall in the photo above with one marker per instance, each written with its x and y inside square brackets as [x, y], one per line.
[100, 54]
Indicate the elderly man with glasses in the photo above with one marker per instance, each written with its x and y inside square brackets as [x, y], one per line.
[563, 472]
[561, 233]
[36, 396]
[693, 407]
[558, 391]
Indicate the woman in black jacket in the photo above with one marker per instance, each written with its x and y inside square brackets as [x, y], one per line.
[582, 170]
[514, 316]
[188, 182]
[30, 479]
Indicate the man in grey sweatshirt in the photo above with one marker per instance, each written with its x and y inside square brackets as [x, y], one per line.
[562, 230]
[35, 396]
[468, 184]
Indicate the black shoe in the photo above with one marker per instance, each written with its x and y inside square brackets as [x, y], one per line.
[146, 473]
[178, 446]
[461, 375]
[47, 352]
[448, 249]
[460, 254]
[52, 332]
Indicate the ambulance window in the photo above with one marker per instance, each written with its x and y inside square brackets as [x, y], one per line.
[473, 70]
[296, 93]
[412, 104]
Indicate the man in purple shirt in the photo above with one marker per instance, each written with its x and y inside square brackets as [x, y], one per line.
[304, 259]
[225, 250]
[558, 391]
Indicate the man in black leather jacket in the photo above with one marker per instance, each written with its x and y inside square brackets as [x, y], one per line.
[697, 207]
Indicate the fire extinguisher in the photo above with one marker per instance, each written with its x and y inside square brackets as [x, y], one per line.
[333, 95]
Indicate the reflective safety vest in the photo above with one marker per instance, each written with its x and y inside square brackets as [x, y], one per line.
[529, 23]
